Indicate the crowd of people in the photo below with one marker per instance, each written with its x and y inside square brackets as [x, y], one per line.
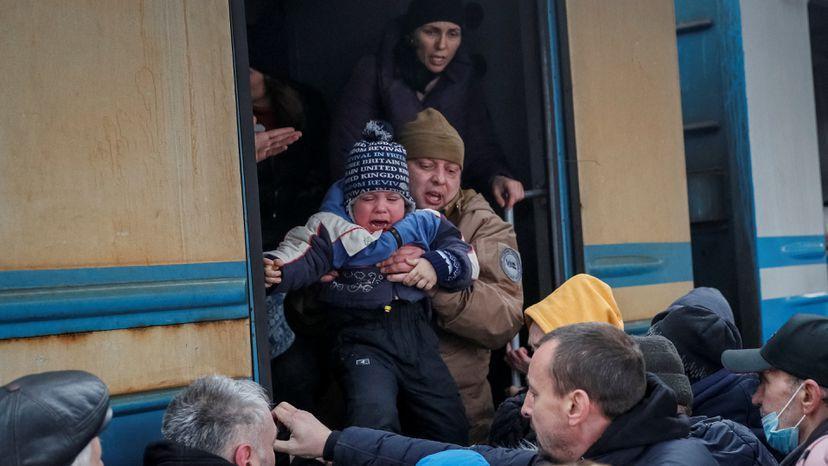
[595, 396]
[385, 301]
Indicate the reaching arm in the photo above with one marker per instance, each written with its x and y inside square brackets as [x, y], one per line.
[418, 228]
[358, 445]
[306, 253]
[355, 445]
[453, 259]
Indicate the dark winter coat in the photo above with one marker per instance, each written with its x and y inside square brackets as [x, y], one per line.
[165, 453]
[730, 443]
[377, 91]
[509, 428]
[358, 445]
[651, 433]
[728, 395]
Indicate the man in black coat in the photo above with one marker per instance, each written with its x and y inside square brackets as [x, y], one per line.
[589, 397]
[701, 326]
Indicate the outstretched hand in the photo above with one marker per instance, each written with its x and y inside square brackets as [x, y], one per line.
[307, 434]
[274, 142]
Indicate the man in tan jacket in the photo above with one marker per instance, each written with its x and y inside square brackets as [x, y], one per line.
[486, 316]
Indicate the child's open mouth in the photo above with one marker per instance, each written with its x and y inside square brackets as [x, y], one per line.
[379, 225]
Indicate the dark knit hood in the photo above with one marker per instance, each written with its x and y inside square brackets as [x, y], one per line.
[166, 453]
[651, 421]
[701, 326]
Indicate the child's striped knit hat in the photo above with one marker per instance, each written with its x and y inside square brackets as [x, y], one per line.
[376, 163]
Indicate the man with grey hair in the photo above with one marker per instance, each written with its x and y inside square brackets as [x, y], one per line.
[216, 420]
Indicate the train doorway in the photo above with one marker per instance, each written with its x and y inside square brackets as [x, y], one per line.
[818, 26]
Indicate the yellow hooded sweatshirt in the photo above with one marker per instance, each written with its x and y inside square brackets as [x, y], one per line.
[582, 298]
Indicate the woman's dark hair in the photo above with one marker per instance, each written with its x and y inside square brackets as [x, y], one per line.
[285, 102]
[412, 71]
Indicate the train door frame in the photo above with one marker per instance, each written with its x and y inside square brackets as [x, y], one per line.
[561, 182]
[250, 196]
[568, 185]
[707, 117]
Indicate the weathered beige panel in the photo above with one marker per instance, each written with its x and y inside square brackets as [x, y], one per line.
[136, 360]
[118, 134]
[643, 302]
[627, 115]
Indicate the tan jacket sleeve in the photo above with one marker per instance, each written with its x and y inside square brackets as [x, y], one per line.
[489, 313]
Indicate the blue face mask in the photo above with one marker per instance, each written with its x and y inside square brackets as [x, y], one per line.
[783, 440]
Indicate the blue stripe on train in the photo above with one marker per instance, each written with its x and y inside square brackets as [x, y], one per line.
[784, 251]
[49, 302]
[89, 276]
[637, 264]
[136, 422]
[775, 312]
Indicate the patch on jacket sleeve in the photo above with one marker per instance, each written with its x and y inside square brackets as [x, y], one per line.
[510, 264]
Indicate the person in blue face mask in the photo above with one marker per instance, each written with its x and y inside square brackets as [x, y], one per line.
[792, 394]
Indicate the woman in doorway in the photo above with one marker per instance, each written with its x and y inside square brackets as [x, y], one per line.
[420, 64]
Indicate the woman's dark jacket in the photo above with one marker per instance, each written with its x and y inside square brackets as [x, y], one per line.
[376, 90]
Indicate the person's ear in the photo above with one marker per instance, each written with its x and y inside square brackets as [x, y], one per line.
[812, 399]
[577, 407]
[243, 456]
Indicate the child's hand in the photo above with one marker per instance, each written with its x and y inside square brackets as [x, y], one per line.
[272, 271]
[423, 275]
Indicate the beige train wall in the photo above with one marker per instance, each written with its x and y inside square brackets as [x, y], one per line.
[628, 140]
[120, 193]
[118, 136]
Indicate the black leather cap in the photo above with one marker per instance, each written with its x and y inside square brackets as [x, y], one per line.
[48, 418]
[798, 348]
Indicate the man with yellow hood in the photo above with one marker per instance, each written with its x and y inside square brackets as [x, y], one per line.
[582, 298]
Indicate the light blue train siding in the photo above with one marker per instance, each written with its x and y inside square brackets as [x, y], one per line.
[640, 264]
[53, 302]
[791, 252]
